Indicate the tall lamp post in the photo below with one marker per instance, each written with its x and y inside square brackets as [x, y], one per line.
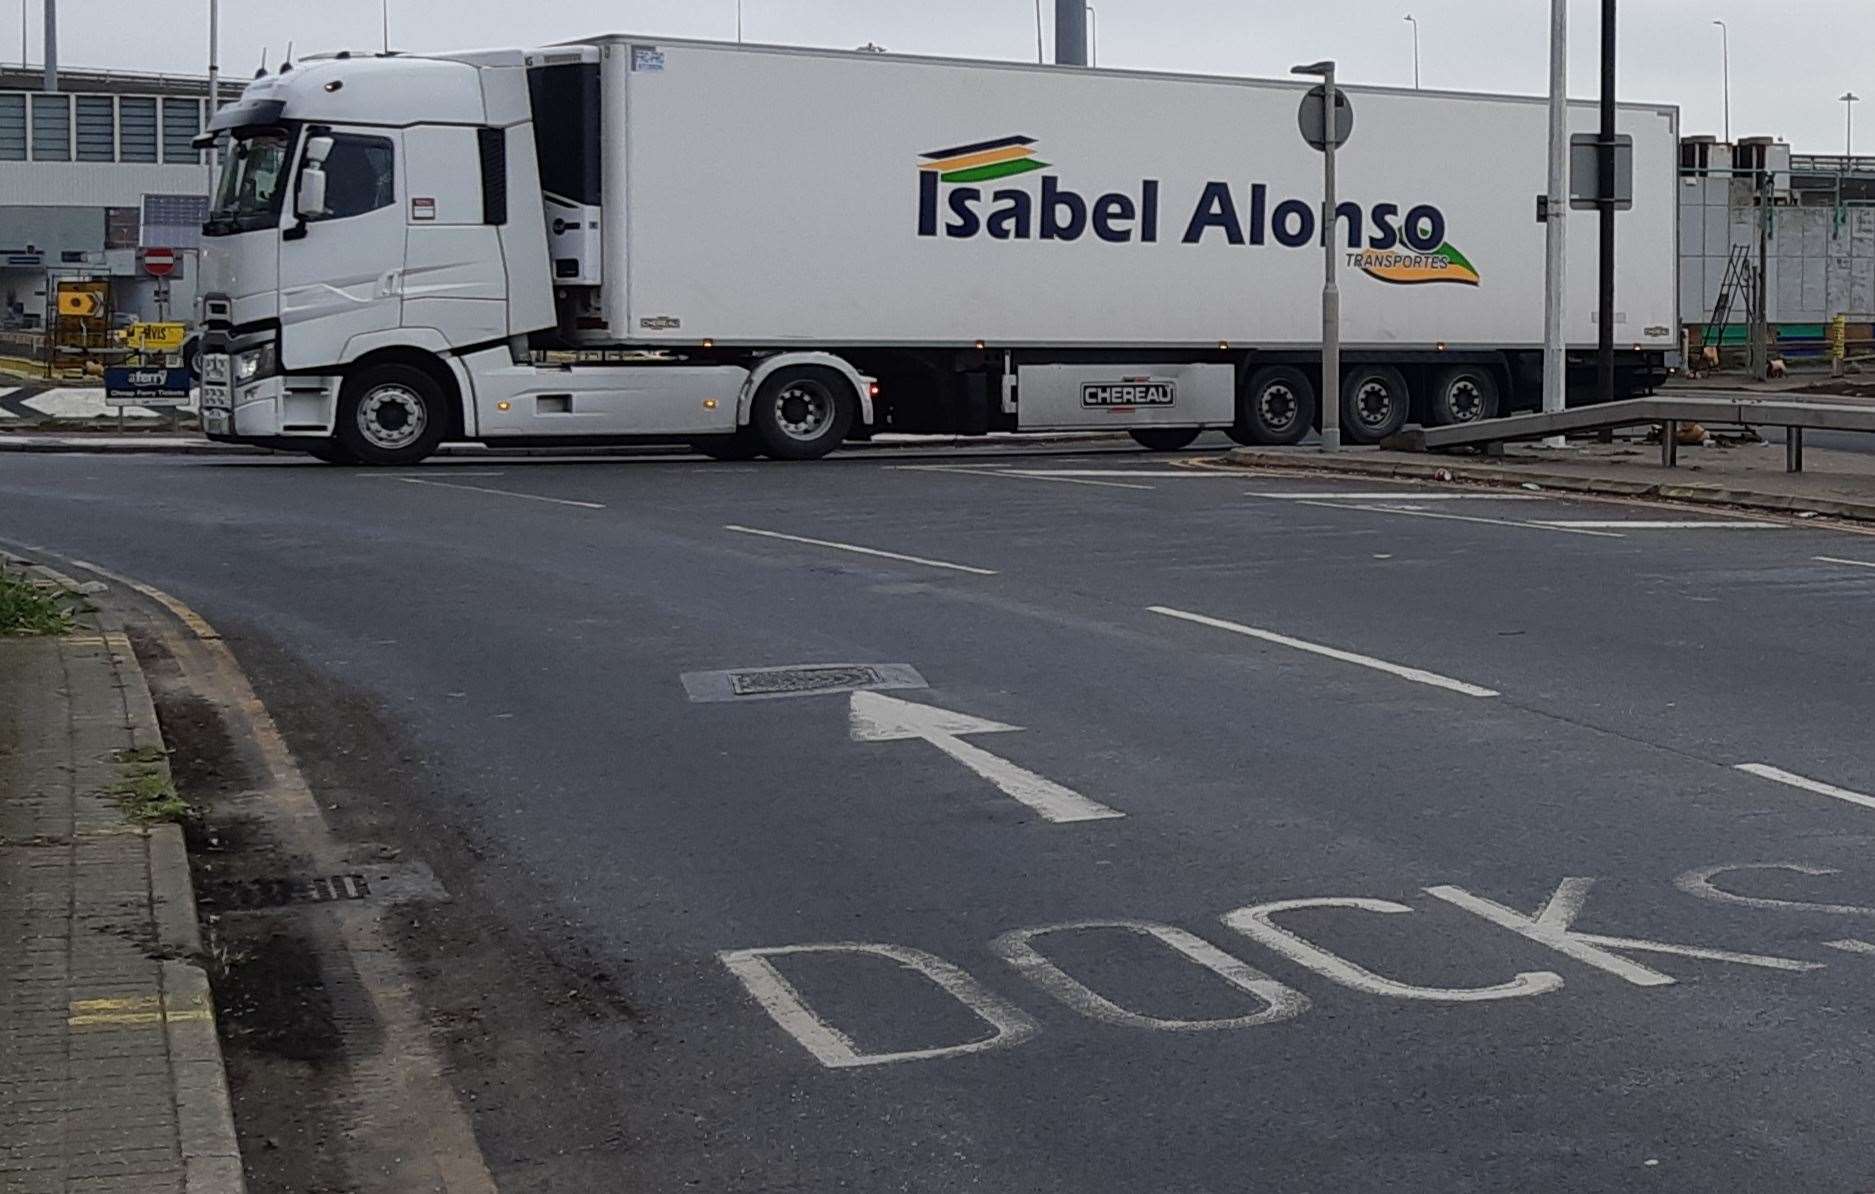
[1330, 397]
[1093, 36]
[1414, 22]
[1040, 54]
[1725, 58]
[1849, 100]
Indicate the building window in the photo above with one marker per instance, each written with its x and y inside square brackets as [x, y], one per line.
[52, 128]
[97, 136]
[182, 120]
[136, 119]
[12, 128]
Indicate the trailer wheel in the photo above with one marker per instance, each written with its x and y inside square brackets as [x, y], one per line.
[1165, 439]
[802, 413]
[1375, 403]
[391, 414]
[1277, 406]
[742, 445]
[1462, 394]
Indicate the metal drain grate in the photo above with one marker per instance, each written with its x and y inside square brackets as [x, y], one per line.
[278, 892]
[800, 679]
[789, 680]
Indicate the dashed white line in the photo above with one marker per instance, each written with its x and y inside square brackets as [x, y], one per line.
[1850, 945]
[1500, 522]
[1018, 475]
[1663, 524]
[858, 550]
[1840, 560]
[1779, 775]
[1417, 675]
[530, 497]
[1429, 496]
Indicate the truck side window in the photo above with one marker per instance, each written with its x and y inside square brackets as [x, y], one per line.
[360, 176]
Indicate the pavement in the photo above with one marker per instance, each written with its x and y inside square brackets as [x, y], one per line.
[111, 1074]
[1196, 829]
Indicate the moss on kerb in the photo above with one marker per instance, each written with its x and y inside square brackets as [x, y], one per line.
[146, 792]
[27, 608]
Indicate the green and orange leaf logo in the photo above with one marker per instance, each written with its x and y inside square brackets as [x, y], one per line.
[982, 161]
[1412, 268]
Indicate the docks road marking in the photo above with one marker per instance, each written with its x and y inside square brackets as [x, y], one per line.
[1779, 775]
[1840, 560]
[1417, 675]
[531, 497]
[1427, 496]
[1500, 522]
[858, 550]
[1662, 524]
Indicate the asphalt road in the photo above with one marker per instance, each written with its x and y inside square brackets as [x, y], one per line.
[1046, 957]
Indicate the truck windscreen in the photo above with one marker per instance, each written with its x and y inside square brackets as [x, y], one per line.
[253, 178]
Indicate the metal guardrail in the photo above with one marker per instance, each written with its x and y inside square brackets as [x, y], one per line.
[1794, 415]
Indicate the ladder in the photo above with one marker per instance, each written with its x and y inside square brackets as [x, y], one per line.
[1740, 279]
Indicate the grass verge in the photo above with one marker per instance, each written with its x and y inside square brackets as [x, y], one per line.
[146, 791]
[25, 608]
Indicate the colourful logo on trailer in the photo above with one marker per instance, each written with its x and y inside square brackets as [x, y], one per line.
[1412, 268]
[982, 161]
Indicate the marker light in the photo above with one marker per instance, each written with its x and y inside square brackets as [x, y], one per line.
[872, 391]
[980, 344]
[709, 404]
[1440, 346]
[1223, 345]
[502, 405]
[708, 343]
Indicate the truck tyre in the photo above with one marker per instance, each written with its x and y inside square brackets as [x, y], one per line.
[391, 414]
[802, 413]
[742, 445]
[1462, 394]
[1374, 403]
[1165, 439]
[1277, 406]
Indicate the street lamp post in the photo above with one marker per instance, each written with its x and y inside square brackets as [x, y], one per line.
[1041, 55]
[1414, 22]
[1849, 100]
[1330, 395]
[1093, 36]
[1725, 53]
[738, 22]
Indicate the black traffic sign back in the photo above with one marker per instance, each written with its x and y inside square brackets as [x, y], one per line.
[1309, 117]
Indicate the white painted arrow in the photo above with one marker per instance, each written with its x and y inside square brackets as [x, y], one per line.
[880, 718]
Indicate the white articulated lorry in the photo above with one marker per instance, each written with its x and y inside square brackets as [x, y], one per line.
[765, 251]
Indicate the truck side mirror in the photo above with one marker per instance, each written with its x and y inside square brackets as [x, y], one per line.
[311, 201]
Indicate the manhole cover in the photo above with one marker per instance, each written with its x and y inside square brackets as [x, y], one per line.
[801, 679]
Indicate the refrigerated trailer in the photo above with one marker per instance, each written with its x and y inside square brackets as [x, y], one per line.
[765, 250]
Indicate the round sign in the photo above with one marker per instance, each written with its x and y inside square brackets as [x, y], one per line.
[1309, 117]
[159, 263]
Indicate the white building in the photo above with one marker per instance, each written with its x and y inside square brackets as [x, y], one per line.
[91, 172]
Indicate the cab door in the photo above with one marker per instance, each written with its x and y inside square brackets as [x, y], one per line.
[342, 266]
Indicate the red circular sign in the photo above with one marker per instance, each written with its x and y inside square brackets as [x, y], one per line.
[159, 263]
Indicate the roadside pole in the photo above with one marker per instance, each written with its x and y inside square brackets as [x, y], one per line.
[1605, 362]
[1556, 207]
[1325, 127]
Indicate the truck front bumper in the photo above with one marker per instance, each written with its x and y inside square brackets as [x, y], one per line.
[295, 407]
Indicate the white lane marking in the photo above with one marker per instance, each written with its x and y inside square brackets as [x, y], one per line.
[875, 717]
[1500, 522]
[1257, 923]
[1550, 926]
[1425, 496]
[1850, 945]
[453, 471]
[1702, 883]
[531, 497]
[1016, 475]
[1840, 560]
[833, 1048]
[1779, 775]
[1281, 1002]
[1417, 675]
[1663, 524]
[858, 550]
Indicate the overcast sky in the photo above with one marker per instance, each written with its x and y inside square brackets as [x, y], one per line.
[1788, 67]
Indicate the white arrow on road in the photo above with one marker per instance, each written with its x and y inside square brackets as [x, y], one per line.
[880, 718]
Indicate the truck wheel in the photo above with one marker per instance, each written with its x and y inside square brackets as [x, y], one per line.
[802, 413]
[742, 445]
[390, 414]
[1374, 403]
[1165, 439]
[1277, 406]
[1462, 394]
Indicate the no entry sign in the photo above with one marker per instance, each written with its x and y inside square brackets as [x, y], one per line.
[159, 263]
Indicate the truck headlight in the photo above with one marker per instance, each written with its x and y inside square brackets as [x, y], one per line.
[255, 363]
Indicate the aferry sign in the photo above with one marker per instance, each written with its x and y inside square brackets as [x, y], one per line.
[1407, 249]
